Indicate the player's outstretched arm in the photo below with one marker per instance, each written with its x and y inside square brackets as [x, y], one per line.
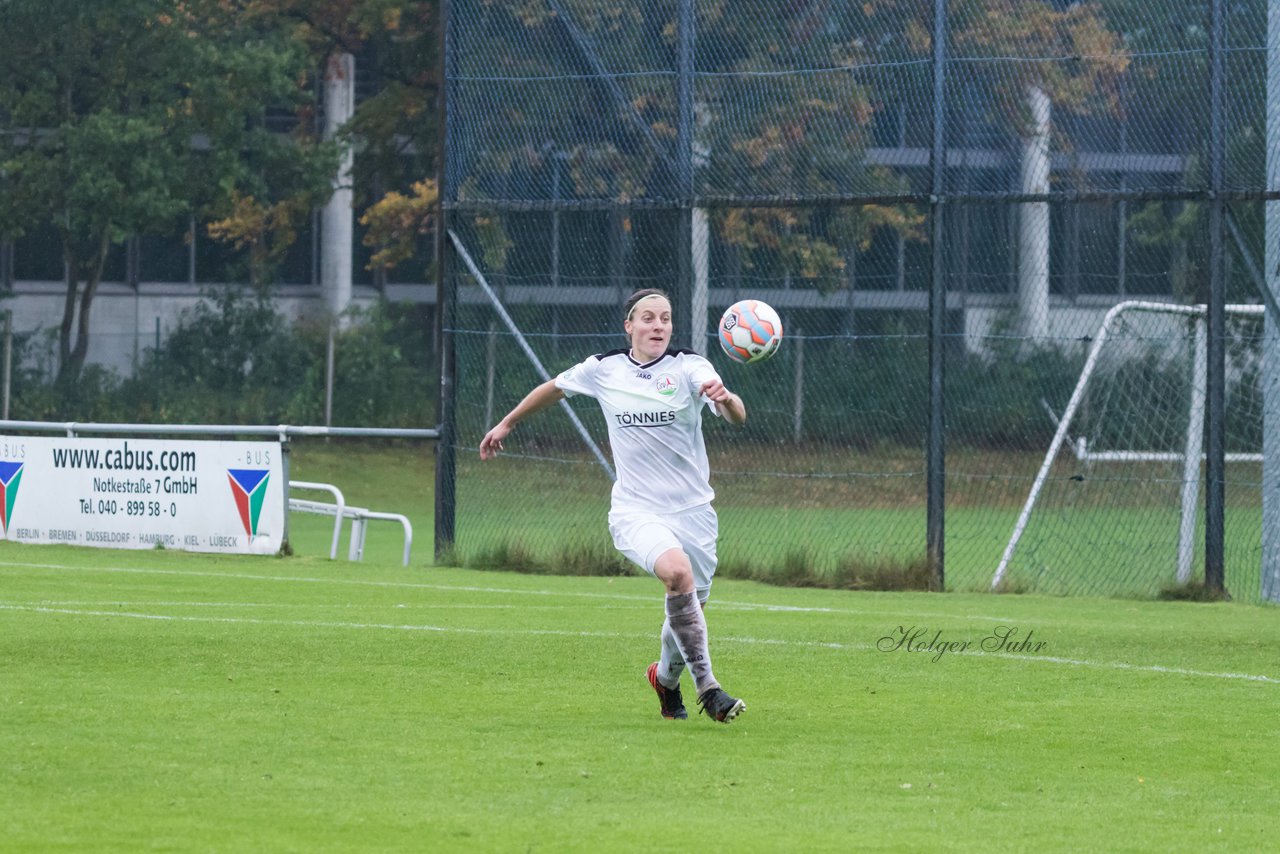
[547, 394]
[730, 406]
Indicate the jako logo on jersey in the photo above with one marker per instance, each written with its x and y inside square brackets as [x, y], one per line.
[249, 487]
[643, 375]
[666, 385]
[10, 477]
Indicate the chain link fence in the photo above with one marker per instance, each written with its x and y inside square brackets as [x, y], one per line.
[1088, 155]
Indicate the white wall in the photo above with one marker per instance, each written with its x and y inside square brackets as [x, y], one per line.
[1063, 326]
[123, 321]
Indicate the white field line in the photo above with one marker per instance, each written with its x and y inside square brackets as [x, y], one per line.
[337, 606]
[508, 591]
[310, 624]
[1124, 665]
[1045, 659]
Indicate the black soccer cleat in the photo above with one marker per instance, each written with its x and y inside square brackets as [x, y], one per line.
[720, 706]
[669, 698]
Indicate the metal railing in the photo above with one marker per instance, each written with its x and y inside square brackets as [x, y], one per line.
[359, 516]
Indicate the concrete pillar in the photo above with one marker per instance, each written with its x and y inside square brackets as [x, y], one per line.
[337, 227]
[1033, 221]
[701, 279]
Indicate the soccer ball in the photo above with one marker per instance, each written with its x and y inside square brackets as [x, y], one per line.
[750, 331]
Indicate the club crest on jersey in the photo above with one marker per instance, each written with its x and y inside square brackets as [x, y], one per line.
[666, 384]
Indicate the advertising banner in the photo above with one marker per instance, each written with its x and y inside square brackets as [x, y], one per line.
[143, 493]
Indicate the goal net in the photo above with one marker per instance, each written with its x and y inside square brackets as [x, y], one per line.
[1115, 506]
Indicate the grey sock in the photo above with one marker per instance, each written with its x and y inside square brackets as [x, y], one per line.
[670, 662]
[690, 630]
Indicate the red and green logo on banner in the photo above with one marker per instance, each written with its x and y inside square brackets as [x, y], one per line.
[249, 487]
[10, 477]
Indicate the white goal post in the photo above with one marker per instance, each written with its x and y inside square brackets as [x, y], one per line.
[1189, 455]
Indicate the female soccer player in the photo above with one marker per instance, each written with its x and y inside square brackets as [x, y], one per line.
[660, 516]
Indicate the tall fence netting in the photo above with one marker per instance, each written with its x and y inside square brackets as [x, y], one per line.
[723, 151]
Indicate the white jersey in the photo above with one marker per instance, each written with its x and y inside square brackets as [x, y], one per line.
[654, 413]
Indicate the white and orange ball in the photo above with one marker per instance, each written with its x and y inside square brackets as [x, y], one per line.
[750, 331]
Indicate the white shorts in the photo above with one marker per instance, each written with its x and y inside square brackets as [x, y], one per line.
[644, 536]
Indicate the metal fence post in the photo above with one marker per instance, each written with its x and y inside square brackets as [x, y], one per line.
[8, 360]
[1215, 462]
[284, 469]
[446, 293]
[936, 453]
[684, 333]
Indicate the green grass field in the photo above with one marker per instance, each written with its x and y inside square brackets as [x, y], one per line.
[162, 700]
[1122, 540]
[556, 513]
[158, 700]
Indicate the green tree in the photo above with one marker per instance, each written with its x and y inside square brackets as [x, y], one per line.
[127, 118]
[394, 130]
[1167, 109]
[395, 43]
[788, 99]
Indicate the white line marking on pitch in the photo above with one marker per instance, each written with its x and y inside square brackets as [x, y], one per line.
[413, 585]
[1073, 662]
[1124, 665]
[344, 606]
[312, 624]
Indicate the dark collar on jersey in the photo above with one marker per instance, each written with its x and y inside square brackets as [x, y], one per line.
[626, 351]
